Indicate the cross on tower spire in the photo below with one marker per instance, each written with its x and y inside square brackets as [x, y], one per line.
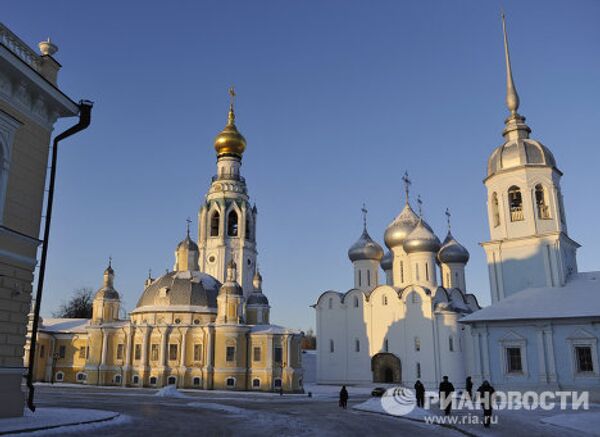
[110, 261]
[448, 218]
[420, 203]
[407, 184]
[188, 221]
[232, 94]
[364, 214]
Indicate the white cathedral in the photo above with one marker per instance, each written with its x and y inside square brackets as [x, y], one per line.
[540, 332]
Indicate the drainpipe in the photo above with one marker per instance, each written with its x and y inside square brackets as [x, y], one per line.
[85, 114]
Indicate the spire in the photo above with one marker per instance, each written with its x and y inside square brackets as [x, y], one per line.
[231, 115]
[109, 274]
[407, 184]
[512, 98]
[448, 218]
[188, 221]
[364, 214]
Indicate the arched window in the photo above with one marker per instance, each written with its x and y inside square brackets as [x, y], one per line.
[215, 218]
[153, 380]
[426, 271]
[248, 235]
[331, 346]
[135, 379]
[543, 208]
[81, 377]
[451, 344]
[277, 383]
[230, 382]
[515, 201]
[401, 271]
[355, 302]
[357, 345]
[256, 383]
[495, 210]
[384, 300]
[196, 381]
[360, 278]
[117, 379]
[60, 376]
[368, 278]
[232, 224]
[418, 370]
[172, 380]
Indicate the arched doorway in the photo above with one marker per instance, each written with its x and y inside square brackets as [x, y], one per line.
[386, 368]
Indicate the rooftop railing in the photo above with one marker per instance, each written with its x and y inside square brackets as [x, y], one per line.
[13, 43]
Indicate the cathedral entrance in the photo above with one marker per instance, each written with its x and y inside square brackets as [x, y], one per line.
[386, 368]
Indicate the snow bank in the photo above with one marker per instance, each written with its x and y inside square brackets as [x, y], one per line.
[220, 407]
[588, 423]
[170, 391]
[376, 405]
[44, 418]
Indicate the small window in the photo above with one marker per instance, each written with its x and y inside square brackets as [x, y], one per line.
[138, 352]
[232, 224]
[384, 300]
[82, 352]
[513, 360]
[256, 383]
[386, 345]
[360, 278]
[357, 345]
[368, 278]
[278, 354]
[214, 224]
[60, 376]
[135, 379]
[417, 344]
[117, 379]
[515, 200]
[120, 348]
[426, 271]
[583, 354]
[230, 353]
[451, 344]
[248, 235]
[173, 352]
[355, 302]
[62, 351]
[277, 383]
[172, 380]
[495, 210]
[154, 352]
[196, 381]
[43, 351]
[196, 322]
[81, 377]
[331, 346]
[256, 353]
[402, 271]
[230, 382]
[153, 380]
[543, 208]
[197, 352]
[418, 370]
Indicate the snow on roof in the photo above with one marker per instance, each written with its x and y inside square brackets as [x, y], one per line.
[272, 329]
[580, 297]
[64, 325]
[174, 309]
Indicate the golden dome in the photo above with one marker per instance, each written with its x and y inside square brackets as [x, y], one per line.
[230, 141]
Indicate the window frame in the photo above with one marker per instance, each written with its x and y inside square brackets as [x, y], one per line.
[229, 354]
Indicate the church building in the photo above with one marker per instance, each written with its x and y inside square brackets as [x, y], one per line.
[203, 325]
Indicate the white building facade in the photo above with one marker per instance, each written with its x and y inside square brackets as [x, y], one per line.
[542, 329]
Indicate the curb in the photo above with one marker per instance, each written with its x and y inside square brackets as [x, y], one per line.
[43, 428]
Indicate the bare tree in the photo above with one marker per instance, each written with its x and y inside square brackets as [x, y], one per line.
[309, 341]
[78, 306]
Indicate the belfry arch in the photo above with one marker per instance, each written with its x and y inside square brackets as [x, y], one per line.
[386, 368]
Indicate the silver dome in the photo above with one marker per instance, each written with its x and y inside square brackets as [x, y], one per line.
[519, 152]
[107, 293]
[421, 239]
[188, 244]
[400, 227]
[181, 288]
[365, 248]
[257, 298]
[387, 261]
[452, 251]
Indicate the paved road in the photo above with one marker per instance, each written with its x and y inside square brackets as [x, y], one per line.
[228, 414]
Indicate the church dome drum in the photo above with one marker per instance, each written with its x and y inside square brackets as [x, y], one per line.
[387, 261]
[518, 153]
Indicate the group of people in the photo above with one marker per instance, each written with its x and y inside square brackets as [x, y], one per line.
[446, 390]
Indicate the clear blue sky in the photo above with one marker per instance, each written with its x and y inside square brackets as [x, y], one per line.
[336, 100]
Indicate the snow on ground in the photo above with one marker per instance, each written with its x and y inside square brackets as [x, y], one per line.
[588, 423]
[220, 407]
[53, 417]
[169, 391]
[79, 429]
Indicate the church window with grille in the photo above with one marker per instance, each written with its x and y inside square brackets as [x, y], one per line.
[513, 360]
[543, 209]
[214, 224]
[230, 353]
[172, 352]
[232, 224]
[515, 201]
[583, 354]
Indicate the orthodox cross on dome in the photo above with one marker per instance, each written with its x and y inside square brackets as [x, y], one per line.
[149, 273]
[448, 218]
[407, 184]
[420, 203]
[110, 261]
[232, 95]
[188, 222]
[364, 214]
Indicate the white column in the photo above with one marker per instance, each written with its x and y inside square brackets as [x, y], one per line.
[551, 357]
[128, 347]
[104, 347]
[543, 378]
[145, 347]
[486, 354]
[182, 367]
[163, 347]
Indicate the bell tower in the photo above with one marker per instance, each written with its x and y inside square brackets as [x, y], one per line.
[529, 245]
[227, 220]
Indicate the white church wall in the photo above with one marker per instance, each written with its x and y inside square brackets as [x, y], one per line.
[358, 320]
[331, 331]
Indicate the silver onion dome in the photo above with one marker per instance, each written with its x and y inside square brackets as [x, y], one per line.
[257, 298]
[365, 248]
[518, 153]
[421, 239]
[387, 261]
[452, 251]
[400, 227]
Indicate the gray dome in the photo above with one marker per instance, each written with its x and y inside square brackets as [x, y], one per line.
[387, 261]
[400, 227]
[452, 251]
[181, 288]
[257, 299]
[519, 152]
[421, 239]
[365, 248]
[107, 293]
[188, 244]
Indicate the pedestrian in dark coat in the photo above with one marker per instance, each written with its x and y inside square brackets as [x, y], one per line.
[469, 387]
[486, 392]
[420, 393]
[343, 397]
[445, 392]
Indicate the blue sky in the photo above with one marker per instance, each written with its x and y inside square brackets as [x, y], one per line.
[336, 100]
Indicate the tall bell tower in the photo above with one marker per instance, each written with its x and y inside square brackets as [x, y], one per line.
[227, 220]
[529, 245]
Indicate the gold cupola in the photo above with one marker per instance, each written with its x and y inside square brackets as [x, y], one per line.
[230, 141]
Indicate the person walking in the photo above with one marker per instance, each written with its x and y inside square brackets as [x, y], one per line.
[486, 392]
[420, 393]
[469, 387]
[343, 397]
[445, 392]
